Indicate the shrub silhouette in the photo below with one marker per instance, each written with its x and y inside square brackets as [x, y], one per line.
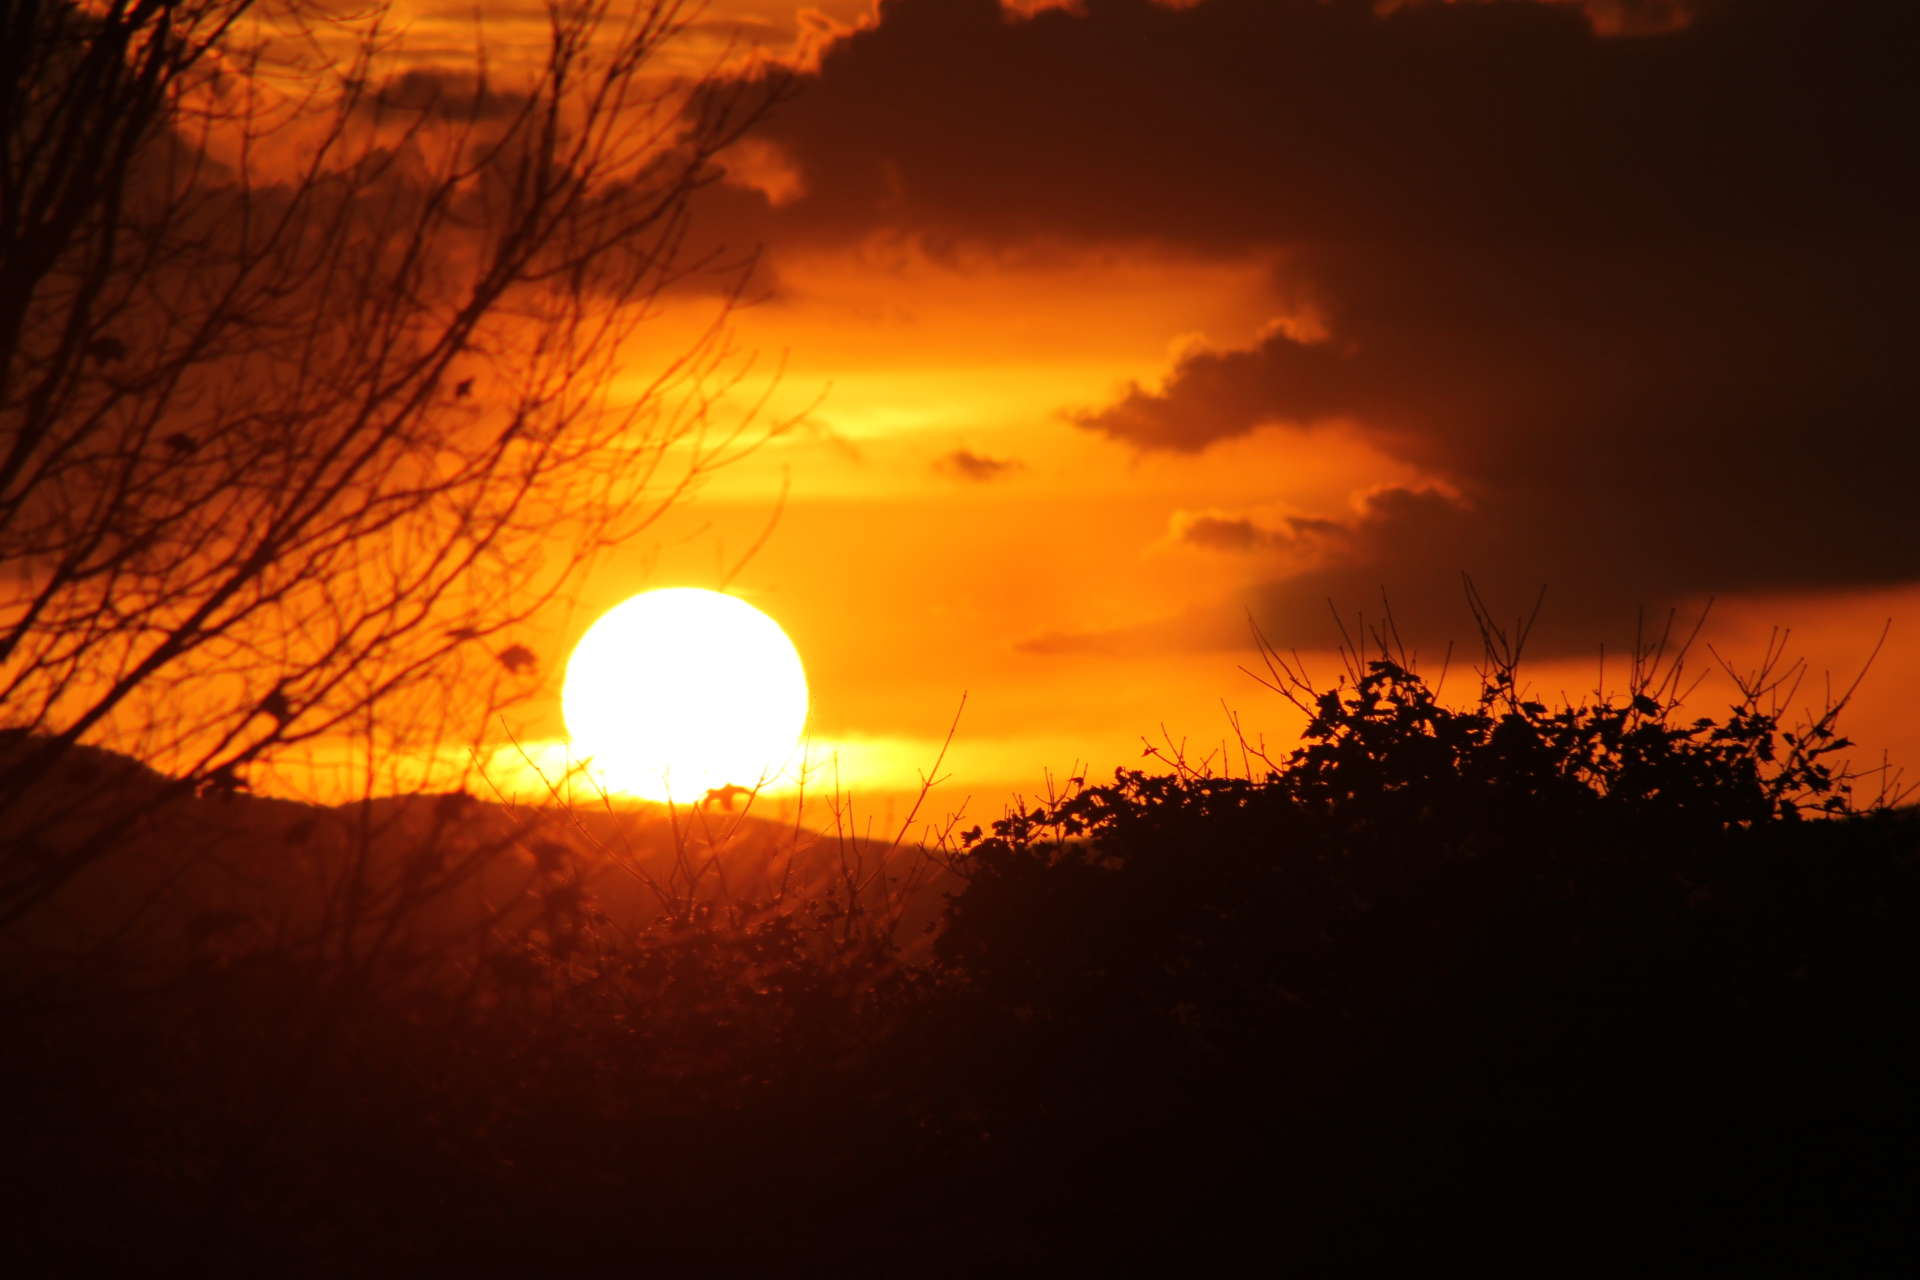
[1480, 970]
[1390, 786]
[1391, 783]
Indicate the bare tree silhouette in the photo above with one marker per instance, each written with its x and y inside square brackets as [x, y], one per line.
[307, 377]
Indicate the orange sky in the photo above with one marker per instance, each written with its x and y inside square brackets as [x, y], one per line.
[1105, 331]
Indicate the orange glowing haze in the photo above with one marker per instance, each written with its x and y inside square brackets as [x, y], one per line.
[1103, 334]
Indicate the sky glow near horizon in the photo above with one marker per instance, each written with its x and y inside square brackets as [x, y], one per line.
[1108, 334]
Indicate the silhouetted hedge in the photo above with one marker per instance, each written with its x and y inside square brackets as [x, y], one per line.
[1497, 980]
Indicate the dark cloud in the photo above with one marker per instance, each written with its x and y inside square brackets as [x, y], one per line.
[1412, 552]
[1222, 533]
[1658, 432]
[443, 94]
[711, 243]
[968, 465]
[1214, 531]
[1063, 644]
[741, 31]
[1234, 123]
[1645, 302]
[1211, 395]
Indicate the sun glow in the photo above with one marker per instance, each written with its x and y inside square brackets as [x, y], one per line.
[679, 691]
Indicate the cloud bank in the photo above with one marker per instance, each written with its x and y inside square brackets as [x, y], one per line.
[1643, 301]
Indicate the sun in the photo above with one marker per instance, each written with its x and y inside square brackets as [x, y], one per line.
[679, 691]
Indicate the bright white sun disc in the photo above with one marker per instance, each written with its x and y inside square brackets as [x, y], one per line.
[675, 692]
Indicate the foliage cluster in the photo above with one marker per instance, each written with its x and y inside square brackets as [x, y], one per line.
[1390, 787]
[1538, 958]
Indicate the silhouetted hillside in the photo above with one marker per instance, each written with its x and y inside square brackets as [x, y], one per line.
[236, 872]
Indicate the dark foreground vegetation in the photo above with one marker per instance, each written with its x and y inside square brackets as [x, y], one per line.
[1519, 987]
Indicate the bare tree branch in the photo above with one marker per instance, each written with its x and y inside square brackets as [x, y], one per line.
[307, 394]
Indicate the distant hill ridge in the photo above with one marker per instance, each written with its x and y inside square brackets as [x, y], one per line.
[451, 857]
